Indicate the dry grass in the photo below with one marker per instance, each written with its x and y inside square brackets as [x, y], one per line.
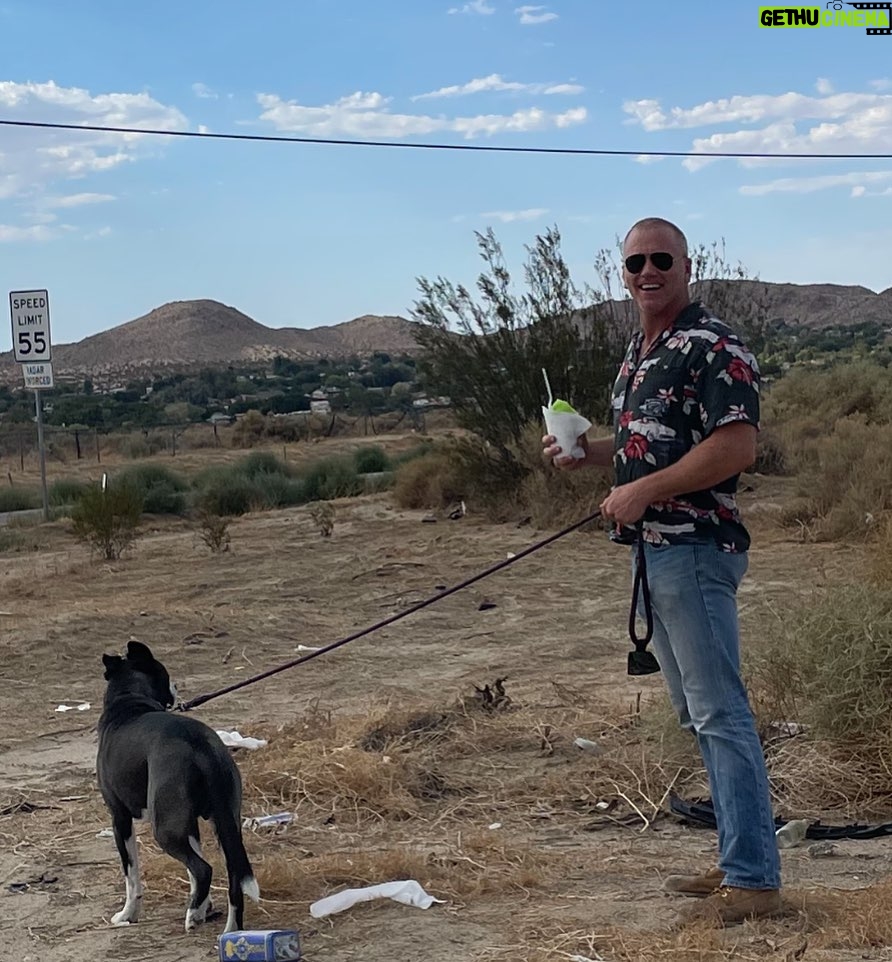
[460, 762]
[828, 664]
[814, 921]
[832, 429]
[429, 481]
[880, 560]
[813, 776]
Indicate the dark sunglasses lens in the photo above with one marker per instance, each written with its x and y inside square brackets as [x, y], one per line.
[635, 262]
[662, 261]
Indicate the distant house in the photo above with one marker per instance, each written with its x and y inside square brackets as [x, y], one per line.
[218, 417]
[320, 407]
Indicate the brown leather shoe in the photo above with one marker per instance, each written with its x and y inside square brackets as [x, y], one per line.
[731, 906]
[695, 886]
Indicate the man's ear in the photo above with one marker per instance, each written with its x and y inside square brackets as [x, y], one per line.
[687, 269]
[137, 651]
[113, 664]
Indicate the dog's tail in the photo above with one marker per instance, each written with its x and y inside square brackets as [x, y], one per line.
[238, 866]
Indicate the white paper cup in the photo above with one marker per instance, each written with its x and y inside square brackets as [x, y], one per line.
[566, 428]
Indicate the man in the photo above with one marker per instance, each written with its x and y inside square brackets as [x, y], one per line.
[686, 413]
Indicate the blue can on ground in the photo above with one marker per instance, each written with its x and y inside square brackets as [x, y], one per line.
[260, 945]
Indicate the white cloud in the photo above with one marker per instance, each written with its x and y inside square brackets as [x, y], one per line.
[793, 123]
[77, 200]
[367, 116]
[789, 106]
[856, 180]
[495, 83]
[881, 83]
[564, 89]
[10, 233]
[510, 216]
[823, 86]
[204, 92]
[530, 16]
[475, 6]
[34, 160]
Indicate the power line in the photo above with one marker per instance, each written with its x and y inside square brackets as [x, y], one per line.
[480, 148]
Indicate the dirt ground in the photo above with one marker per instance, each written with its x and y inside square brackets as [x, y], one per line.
[557, 630]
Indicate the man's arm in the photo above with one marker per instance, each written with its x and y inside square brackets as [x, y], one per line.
[729, 450]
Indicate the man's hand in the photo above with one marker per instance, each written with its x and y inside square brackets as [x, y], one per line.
[627, 503]
[598, 453]
[561, 460]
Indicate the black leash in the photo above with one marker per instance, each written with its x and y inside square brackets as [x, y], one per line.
[641, 661]
[201, 699]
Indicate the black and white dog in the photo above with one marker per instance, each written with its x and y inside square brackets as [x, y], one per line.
[173, 770]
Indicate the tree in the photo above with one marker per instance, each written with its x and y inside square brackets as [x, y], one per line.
[487, 355]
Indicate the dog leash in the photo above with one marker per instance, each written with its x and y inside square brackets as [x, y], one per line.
[641, 661]
[202, 699]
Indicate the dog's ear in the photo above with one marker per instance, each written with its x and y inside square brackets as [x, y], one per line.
[137, 651]
[113, 664]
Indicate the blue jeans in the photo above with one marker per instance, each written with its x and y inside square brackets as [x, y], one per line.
[696, 642]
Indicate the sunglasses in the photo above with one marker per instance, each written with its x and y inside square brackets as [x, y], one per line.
[661, 260]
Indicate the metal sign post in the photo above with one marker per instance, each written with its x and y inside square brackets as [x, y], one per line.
[30, 315]
[40, 446]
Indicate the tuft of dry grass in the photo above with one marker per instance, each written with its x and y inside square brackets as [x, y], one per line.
[429, 481]
[826, 665]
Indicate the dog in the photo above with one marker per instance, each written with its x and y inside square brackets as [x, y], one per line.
[173, 770]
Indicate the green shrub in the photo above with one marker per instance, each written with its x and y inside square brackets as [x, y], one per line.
[20, 499]
[66, 491]
[277, 491]
[331, 478]
[107, 520]
[257, 483]
[371, 460]
[229, 494]
[262, 463]
[163, 491]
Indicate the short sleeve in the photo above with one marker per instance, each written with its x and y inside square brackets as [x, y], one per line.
[728, 386]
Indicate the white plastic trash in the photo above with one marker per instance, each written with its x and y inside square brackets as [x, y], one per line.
[235, 740]
[407, 892]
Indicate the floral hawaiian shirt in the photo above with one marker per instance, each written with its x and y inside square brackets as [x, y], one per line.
[697, 376]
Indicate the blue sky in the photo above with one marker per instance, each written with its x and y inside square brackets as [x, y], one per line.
[306, 235]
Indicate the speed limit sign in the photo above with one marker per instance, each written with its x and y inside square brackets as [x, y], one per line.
[30, 313]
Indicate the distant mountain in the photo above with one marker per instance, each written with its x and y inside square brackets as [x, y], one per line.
[813, 305]
[205, 333]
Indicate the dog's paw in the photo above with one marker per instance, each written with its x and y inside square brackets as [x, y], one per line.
[120, 919]
[195, 917]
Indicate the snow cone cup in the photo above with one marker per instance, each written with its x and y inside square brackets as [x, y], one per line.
[566, 426]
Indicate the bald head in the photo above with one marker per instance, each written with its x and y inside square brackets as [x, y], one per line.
[650, 222]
